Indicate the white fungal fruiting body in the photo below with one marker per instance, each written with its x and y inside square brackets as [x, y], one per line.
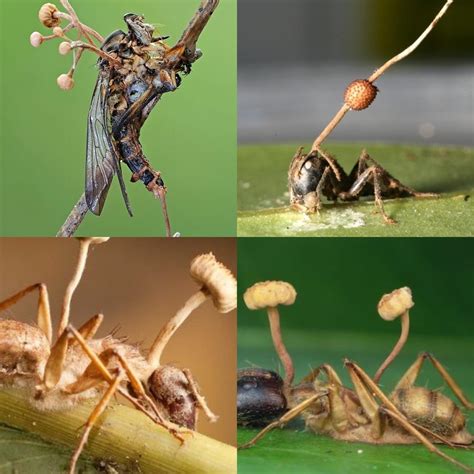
[217, 279]
[269, 294]
[394, 304]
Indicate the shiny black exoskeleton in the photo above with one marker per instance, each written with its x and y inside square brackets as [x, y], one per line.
[260, 397]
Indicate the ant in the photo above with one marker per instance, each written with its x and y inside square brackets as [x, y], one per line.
[317, 173]
[58, 374]
[410, 414]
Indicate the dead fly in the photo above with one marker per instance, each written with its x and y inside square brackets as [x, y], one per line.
[77, 366]
[316, 174]
[135, 69]
[410, 414]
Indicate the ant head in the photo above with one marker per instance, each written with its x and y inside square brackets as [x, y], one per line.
[170, 388]
[305, 179]
[24, 350]
[142, 31]
[260, 396]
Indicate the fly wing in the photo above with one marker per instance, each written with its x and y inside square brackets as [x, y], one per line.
[102, 161]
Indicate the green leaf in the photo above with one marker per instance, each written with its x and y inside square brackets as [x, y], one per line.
[294, 450]
[263, 193]
[25, 453]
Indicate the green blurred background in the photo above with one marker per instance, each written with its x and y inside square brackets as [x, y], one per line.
[190, 136]
[339, 283]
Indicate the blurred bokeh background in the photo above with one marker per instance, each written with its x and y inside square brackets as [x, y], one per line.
[296, 58]
[138, 284]
[190, 136]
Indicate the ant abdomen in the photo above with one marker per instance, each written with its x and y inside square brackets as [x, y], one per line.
[24, 350]
[260, 397]
[170, 388]
[431, 409]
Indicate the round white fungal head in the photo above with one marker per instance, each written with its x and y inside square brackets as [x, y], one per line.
[267, 294]
[217, 279]
[394, 304]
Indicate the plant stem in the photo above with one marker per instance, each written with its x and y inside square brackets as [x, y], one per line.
[122, 434]
[74, 219]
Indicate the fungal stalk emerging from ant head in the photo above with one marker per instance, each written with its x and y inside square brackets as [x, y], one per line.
[312, 175]
[364, 413]
[269, 295]
[78, 366]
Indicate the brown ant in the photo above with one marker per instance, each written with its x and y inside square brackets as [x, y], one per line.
[315, 174]
[77, 366]
[410, 414]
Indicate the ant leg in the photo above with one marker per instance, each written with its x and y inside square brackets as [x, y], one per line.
[54, 365]
[287, 417]
[98, 410]
[43, 317]
[339, 413]
[378, 175]
[328, 370]
[200, 399]
[413, 431]
[97, 371]
[412, 373]
[373, 390]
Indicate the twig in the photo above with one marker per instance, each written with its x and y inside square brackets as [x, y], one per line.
[123, 435]
[381, 70]
[74, 219]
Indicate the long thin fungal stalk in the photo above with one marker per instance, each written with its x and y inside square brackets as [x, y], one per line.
[274, 318]
[71, 288]
[378, 72]
[405, 321]
[196, 300]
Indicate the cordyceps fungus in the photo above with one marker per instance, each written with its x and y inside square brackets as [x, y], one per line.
[392, 306]
[269, 295]
[217, 283]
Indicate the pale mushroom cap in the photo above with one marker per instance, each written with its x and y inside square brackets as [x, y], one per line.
[394, 304]
[217, 279]
[269, 294]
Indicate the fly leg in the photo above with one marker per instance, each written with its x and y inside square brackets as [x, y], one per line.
[410, 376]
[368, 390]
[199, 398]
[287, 417]
[43, 316]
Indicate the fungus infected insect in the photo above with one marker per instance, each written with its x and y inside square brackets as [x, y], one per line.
[62, 371]
[315, 174]
[135, 69]
[318, 174]
[410, 414]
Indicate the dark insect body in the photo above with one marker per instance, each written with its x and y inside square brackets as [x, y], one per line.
[317, 174]
[125, 93]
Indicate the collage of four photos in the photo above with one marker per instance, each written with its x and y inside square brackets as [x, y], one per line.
[236, 236]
